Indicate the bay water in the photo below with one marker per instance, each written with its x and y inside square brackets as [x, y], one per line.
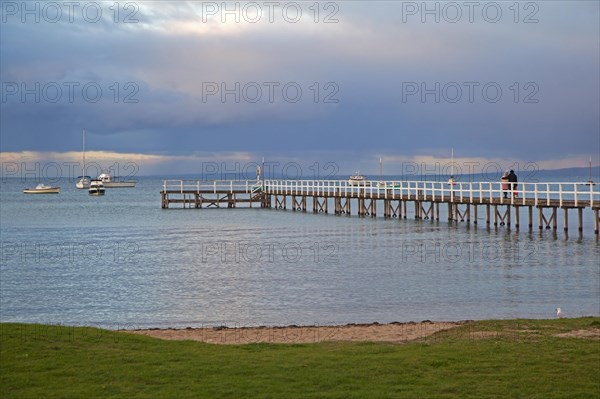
[120, 261]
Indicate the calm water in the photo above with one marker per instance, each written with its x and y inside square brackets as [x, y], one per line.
[121, 261]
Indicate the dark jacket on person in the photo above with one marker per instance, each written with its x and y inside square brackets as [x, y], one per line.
[512, 178]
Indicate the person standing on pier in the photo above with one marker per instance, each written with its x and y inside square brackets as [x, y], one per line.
[512, 178]
[504, 183]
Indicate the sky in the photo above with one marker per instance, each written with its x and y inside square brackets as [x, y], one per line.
[175, 86]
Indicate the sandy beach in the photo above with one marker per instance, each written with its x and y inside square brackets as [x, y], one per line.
[393, 332]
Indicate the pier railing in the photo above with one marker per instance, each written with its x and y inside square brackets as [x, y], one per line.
[561, 194]
[214, 186]
[542, 194]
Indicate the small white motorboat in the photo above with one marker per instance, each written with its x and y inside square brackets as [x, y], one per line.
[110, 182]
[96, 187]
[42, 189]
[357, 180]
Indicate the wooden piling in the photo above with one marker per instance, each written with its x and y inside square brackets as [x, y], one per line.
[495, 215]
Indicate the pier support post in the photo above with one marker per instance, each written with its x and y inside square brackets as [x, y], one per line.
[299, 205]
[530, 217]
[517, 217]
[580, 219]
[318, 206]
[487, 214]
[280, 204]
[495, 215]
[437, 211]
[548, 222]
[596, 221]
[566, 219]
[427, 212]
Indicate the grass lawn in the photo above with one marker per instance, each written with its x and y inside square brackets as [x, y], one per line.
[487, 359]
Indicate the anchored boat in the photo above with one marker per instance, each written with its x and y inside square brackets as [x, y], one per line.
[110, 182]
[357, 180]
[96, 187]
[84, 181]
[42, 189]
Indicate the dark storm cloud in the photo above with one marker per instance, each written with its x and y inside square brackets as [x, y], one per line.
[156, 78]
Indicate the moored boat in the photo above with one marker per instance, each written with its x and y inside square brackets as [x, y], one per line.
[96, 187]
[590, 182]
[83, 181]
[110, 182]
[357, 180]
[42, 189]
[452, 179]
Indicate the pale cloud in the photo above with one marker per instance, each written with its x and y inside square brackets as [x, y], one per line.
[173, 50]
[108, 157]
[310, 164]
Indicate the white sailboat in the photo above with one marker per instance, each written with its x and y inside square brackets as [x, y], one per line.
[84, 181]
[590, 182]
[381, 183]
[452, 180]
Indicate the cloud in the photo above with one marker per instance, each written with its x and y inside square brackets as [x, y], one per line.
[174, 51]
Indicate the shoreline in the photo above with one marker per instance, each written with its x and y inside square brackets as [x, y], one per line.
[395, 332]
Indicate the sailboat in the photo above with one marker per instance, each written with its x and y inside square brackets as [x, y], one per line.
[84, 181]
[590, 182]
[381, 183]
[452, 180]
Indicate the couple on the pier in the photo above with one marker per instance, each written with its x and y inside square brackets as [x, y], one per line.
[507, 179]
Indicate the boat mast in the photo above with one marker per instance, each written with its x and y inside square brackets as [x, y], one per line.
[590, 168]
[452, 164]
[380, 169]
[83, 170]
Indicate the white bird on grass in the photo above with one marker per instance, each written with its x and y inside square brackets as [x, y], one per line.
[559, 313]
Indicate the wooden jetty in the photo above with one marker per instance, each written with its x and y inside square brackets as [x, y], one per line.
[464, 200]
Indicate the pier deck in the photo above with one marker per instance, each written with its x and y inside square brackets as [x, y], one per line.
[463, 200]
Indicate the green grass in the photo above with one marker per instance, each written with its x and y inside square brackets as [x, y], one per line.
[517, 359]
